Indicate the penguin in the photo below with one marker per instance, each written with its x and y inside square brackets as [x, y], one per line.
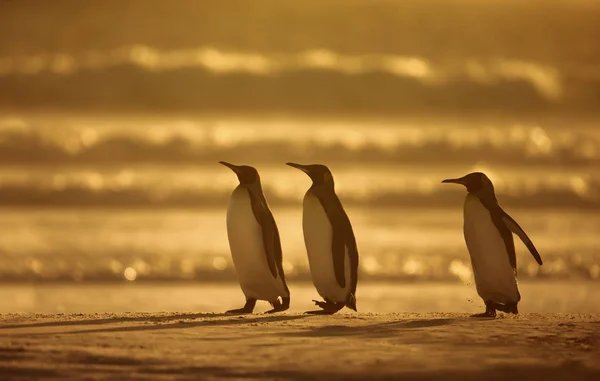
[255, 244]
[330, 242]
[488, 232]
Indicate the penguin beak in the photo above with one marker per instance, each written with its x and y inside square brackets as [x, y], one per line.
[234, 168]
[460, 181]
[298, 166]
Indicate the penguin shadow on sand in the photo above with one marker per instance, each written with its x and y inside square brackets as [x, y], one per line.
[173, 322]
[145, 318]
[379, 330]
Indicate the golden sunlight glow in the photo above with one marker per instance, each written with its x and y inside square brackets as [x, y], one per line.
[460, 270]
[115, 266]
[532, 269]
[94, 180]
[484, 168]
[124, 179]
[288, 267]
[220, 263]
[320, 58]
[580, 186]
[413, 267]
[544, 79]
[116, 119]
[408, 67]
[63, 64]
[541, 142]
[187, 267]
[588, 150]
[130, 274]
[36, 266]
[89, 137]
[370, 265]
[59, 182]
[595, 271]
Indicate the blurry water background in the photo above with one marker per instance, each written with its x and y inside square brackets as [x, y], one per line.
[113, 116]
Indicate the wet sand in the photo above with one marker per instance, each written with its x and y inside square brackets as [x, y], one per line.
[293, 346]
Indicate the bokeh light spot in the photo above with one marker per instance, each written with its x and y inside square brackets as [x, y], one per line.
[220, 263]
[130, 274]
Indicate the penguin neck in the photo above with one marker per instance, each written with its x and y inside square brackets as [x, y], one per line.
[255, 189]
[487, 197]
[322, 189]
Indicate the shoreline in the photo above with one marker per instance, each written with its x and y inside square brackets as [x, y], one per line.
[134, 297]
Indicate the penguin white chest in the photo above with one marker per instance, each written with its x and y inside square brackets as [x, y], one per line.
[494, 276]
[247, 250]
[318, 238]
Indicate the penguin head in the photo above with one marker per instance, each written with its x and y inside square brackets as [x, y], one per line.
[246, 174]
[318, 173]
[476, 183]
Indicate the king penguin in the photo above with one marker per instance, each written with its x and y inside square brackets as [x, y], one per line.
[255, 244]
[330, 242]
[488, 234]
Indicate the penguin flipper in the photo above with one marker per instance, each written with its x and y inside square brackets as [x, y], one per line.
[270, 234]
[515, 228]
[497, 215]
[272, 248]
[343, 241]
[339, 257]
[353, 254]
[269, 243]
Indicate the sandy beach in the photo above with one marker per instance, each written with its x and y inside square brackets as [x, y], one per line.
[292, 346]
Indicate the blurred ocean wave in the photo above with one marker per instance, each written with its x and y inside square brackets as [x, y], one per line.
[395, 85]
[110, 199]
[579, 194]
[432, 57]
[109, 144]
[61, 245]
[546, 80]
[96, 162]
[118, 267]
[56, 141]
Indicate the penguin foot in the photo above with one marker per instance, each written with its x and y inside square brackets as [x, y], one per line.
[323, 305]
[278, 307]
[329, 308]
[490, 311]
[247, 309]
[508, 308]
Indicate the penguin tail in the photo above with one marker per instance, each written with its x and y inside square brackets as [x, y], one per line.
[351, 303]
